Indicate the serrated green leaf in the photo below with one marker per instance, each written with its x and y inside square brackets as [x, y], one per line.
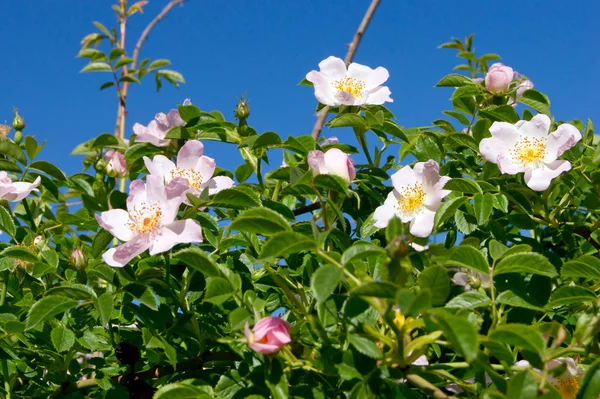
[519, 335]
[435, 279]
[463, 185]
[46, 308]
[97, 66]
[361, 251]
[469, 300]
[262, 221]
[365, 346]
[62, 338]
[324, 281]
[447, 210]
[526, 262]
[218, 290]
[470, 258]
[199, 260]
[12, 150]
[286, 243]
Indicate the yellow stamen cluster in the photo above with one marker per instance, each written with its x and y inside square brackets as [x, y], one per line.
[145, 218]
[193, 178]
[411, 199]
[567, 387]
[350, 85]
[529, 151]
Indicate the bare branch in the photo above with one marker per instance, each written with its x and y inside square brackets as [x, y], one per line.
[322, 114]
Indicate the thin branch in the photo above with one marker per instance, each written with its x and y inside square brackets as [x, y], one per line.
[307, 208]
[155, 372]
[322, 114]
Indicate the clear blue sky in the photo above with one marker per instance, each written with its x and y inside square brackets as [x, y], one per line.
[264, 48]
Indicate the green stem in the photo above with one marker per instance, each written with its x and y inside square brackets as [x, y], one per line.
[3, 287]
[362, 140]
[493, 295]
[275, 196]
[6, 376]
[259, 174]
[29, 214]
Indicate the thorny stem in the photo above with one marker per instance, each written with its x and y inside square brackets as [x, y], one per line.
[322, 115]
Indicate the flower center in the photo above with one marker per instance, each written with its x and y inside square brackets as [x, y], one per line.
[529, 151]
[145, 218]
[567, 387]
[193, 178]
[411, 199]
[350, 85]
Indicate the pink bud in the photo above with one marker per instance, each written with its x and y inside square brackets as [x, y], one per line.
[115, 166]
[498, 78]
[334, 162]
[269, 335]
[78, 259]
[523, 86]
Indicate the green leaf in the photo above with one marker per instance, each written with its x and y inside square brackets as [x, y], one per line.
[115, 53]
[568, 295]
[458, 140]
[123, 61]
[483, 206]
[460, 332]
[20, 253]
[171, 76]
[587, 267]
[435, 278]
[97, 66]
[536, 100]
[7, 223]
[519, 301]
[12, 150]
[262, 221]
[236, 197]
[502, 113]
[142, 293]
[426, 148]
[526, 262]
[361, 251]
[104, 305]
[463, 185]
[101, 241]
[519, 335]
[199, 260]
[447, 210]
[454, 80]
[266, 139]
[522, 386]
[497, 250]
[106, 140]
[392, 128]
[218, 290]
[62, 338]
[49, 169]
[73, 291]
[469, 257]
[286, 243]
[159, 63]
[10, 166]
[277, 381]
[352, 120]
[590, 387]
[331, 182]
[365, 346]
[46, 308]
[467, 91]
[324, 281]
[469, 300]
[181, 390]
[376, 289]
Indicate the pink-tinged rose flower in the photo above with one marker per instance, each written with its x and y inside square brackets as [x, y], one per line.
[528, 146]
[333, 162]
[568, 382]
[470, 279]
[524, 86]
[269, 335]
[193, 167]
[331, 140]
[158, 128]
[417, 194]
[16, 191]
[115, 164]
[498, 78]
[356, 85]
[149, 221]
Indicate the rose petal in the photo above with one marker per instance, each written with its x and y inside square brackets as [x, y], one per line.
[539, 179]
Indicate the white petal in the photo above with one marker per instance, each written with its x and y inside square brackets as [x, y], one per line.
[21, 190]
[323, 88]
[206, 167]
[116, 222]
[428, 173]
[385, 212]
[123, 254]
[371, 77]
[137, 195]
[506, 165]
[336, 162]
[155, 188]
[160, 166]
[379, 95]
[559, 141]
[422, 224]
[461, 278]
[179, 232]
[421, 361]
[333, 68]
[189, 155]
[419, 248]
[174, 194]
[219, 183]
[539, 179]
[403, 177]
[537, 127]
[316, 161]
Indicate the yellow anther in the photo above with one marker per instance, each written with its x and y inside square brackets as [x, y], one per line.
[193, 178]
[350, 85]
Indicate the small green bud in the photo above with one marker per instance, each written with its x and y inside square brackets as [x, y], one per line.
[242, 111]
[101, 165]
[18, 137]
[18, 122]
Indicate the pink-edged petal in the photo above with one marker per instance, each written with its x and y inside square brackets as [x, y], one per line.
[123, 254]
[174, 119]
[179, 232]
[323, 88]
[160, 166]
[279, 337]
[506, 165]
[421, 361]
[174, 194]
[428, 173]
[351, 169]
[461, 278]
[404, 177]
[562, 139]
[316, 162]
[190, 154]
[336, 162]
[333, 68]
[537, 127]
[218, 183]
[346, 98]
[22, 190]
[539, 179]
[152, 134]
[116, 221]
[371, 77]
[263, 326]
[155, 188]
[264, 348]
[378, 96]
[137, 195]
[384, 213]
[422, 224]
[206, 167]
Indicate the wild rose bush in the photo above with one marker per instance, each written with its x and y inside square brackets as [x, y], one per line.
[466, 266]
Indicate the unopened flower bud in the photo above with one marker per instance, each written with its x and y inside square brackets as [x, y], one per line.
[78, 259]
[498, 78]
[38, 240]
[242, 111]
[101, 165]
[115, 164]
[18, 137]
[18, 122]
[397, 248]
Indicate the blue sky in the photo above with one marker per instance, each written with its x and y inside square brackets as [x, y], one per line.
[227, 48]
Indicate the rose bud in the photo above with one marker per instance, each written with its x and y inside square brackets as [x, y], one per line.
[498, 78]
